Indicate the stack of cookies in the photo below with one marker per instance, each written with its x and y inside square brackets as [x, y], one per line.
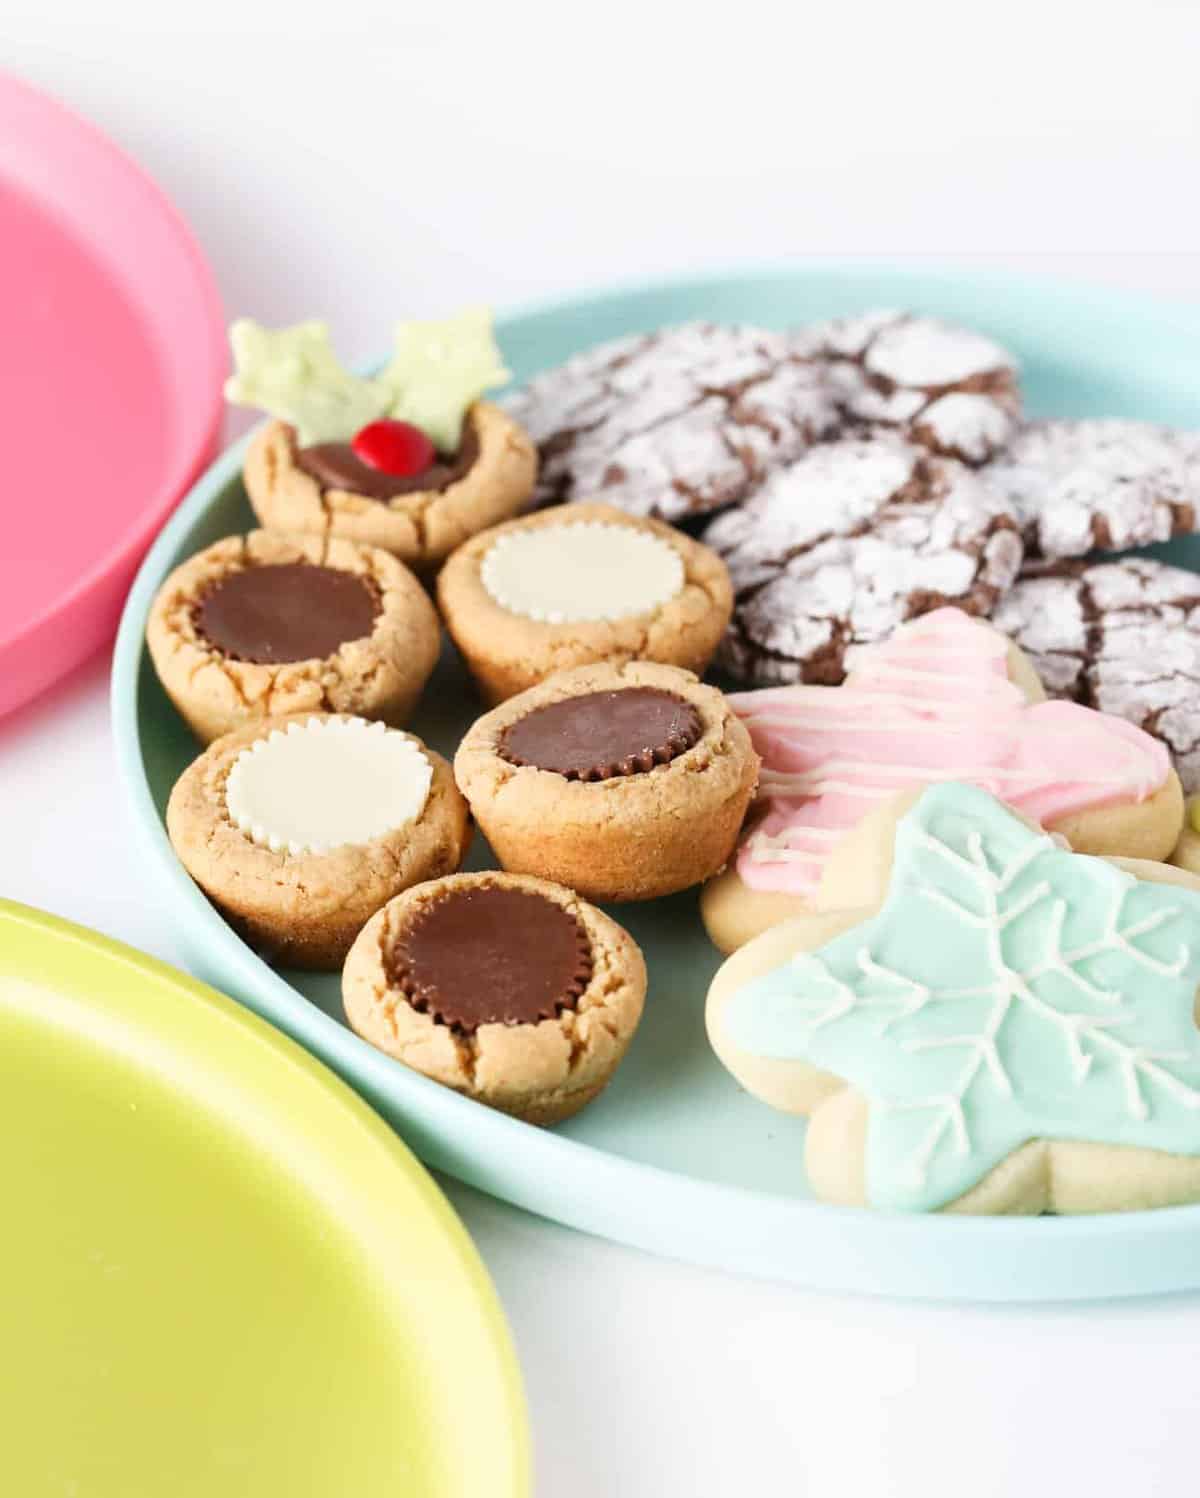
[857, 473]
[936, 825]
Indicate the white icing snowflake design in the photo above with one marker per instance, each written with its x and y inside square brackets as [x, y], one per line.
[1007, 990]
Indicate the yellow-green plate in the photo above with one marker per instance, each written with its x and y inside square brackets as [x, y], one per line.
[220, 1273]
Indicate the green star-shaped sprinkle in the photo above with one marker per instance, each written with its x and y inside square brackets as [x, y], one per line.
[294, 374]
[1007, 990]
[439, 369]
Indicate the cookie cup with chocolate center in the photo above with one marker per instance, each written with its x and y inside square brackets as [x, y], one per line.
[263, 625]
[303, 903]
[421, 526]
[527, 1011]
[578, 584]
[623, 782]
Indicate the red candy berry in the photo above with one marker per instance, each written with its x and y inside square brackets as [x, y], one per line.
[395, 447]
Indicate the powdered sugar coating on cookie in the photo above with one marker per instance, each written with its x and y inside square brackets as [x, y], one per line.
[679, 422]
[841, 547]
[1123, 637]
[947, 387]
[1079, 486]
[325, 782]
[560, 574]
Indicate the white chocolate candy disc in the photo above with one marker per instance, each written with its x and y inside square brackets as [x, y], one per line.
[327, 781]
[560, 574]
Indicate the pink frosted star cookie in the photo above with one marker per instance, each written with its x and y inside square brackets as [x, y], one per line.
[675, 423]
[842, 546]
[946, 387]
[1080, 486]
[946, 698]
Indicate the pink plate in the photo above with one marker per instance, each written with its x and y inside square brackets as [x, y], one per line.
[111, 357]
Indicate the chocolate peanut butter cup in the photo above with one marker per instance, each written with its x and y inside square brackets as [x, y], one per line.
[335, 465]
[267, 624]
[647, 774]
[293, 611]
[487, 955]
[600, 735]
[511, 990]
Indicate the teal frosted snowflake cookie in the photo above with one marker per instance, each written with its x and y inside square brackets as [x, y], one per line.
[1012, 1030]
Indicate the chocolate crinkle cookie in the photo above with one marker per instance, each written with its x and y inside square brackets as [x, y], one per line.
[675, 423]
[839, 548]
[1121, 636]
[946, 387]
[1080, 486]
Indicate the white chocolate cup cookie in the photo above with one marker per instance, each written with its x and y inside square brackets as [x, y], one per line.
[304, 905]
[615, 588]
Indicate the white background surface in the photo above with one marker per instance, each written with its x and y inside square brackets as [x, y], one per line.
[369, 160]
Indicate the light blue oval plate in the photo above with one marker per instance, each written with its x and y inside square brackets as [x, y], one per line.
[674, 1157]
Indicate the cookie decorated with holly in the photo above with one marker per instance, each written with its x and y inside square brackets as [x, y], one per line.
[948, 388]
[412, 460]
[839, 548]
[1009, 1028]
[677, 423]
[946, 697]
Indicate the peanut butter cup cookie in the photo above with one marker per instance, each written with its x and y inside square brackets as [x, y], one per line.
[299, 829]
[411, 460]
[578, 584]
[261, 625]
[623, 782]
[509, 989]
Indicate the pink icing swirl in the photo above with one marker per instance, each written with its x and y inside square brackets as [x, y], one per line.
[932, 703]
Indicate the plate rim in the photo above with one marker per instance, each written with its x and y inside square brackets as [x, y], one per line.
[199, 419]
[854, 1246]
[414, 1183]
